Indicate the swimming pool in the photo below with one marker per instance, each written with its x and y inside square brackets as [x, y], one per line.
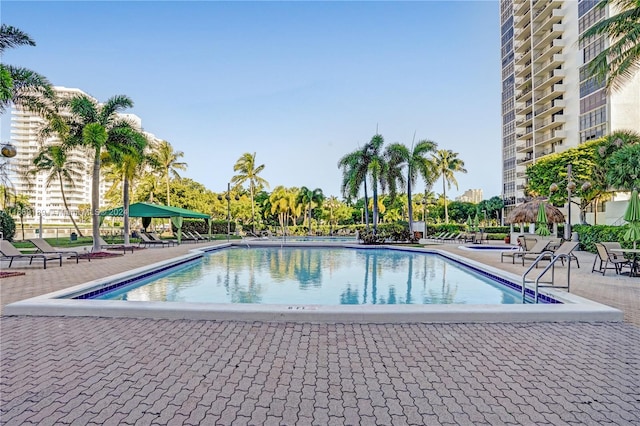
[75, 301]
[319, 276]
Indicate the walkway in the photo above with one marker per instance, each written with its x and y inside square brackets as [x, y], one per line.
[131, 371]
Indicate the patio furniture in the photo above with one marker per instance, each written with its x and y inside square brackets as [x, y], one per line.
[156, 237]
[145, 240]
[10, 253]
[202, 237]
[44, 247]
[607, 257]
[107, 246]
[538, 248]
[565, 251]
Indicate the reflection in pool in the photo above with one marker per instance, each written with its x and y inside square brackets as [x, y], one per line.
[325, 276]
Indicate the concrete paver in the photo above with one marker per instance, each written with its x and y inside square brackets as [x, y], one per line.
[142, 371]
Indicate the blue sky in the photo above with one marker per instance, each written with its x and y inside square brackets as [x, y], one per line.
[298, 83]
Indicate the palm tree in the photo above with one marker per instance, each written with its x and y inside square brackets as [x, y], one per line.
[377, 169]
[354, 175]
[21, 86]
[417, 163]
[167, 163]
[54, 160]
[97, 127]
[21, 207]
[248, 172]
[447, 163]
[308, 197]
[618, 63]
[127, 163]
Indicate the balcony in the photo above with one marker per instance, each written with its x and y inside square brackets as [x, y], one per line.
[554, 32]
[524, 160]
[551, 122]
[545, 20]
[544, 57]
[551, 137]
[525, 147]
[523, 95]
[521, 8]
[522, 58]
[552, 92]
[549, 79]
[522, 32]
[520, 46]
[550, 108]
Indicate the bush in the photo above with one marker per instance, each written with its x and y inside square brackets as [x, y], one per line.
[7, 225]
[591, 234]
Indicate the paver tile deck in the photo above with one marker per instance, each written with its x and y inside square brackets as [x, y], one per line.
[141, 371]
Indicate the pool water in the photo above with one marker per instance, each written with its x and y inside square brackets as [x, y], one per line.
[325, 276]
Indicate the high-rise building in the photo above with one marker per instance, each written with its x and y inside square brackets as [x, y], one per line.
[548, 102]
[46, 197]
[471, 196]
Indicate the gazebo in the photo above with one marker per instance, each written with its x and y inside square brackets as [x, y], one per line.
[147, 211]
[528, 212]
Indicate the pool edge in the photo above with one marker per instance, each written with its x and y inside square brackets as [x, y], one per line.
[572, 309]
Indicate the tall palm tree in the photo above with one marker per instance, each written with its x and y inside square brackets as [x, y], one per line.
[308, 197]
[377, 169]
[417, 163]
[167, 163]
[25, 88]
[127, 163]
[354, 167]
[96, 126]
[447, 163]
[248, 172]
[54, 160]
[618, 63]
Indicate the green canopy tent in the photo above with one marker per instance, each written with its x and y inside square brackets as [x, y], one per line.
[148, 211]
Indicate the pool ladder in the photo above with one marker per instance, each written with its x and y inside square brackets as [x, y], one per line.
[551, 265]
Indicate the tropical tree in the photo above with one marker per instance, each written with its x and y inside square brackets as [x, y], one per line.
[617, 64]
[166, 161]
[548, 176]
[447, 163]
[127, 163]
[21, 208]
[248, 172]
[417, 163]
[378, 172]
[308, 196]
[283, 203]
[624, 168]
[355, 167]
[55, 162]
[96, 126]
[21, 86]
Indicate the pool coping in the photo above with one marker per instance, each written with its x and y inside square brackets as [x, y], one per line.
[571, 309]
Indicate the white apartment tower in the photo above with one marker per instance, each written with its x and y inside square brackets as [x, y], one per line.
[548, 103]
[47, 199]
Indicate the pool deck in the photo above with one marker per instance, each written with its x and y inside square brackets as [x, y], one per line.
[62, 370]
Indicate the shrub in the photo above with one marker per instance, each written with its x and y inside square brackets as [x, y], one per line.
[7, 225]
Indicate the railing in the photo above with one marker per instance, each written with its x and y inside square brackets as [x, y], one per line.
[551, 265]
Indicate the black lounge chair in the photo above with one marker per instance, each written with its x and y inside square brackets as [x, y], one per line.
[107, 246]
[44, 247]
[10, 253]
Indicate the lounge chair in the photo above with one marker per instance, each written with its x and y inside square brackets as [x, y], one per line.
[104, 245]
[156, 237]
[145, 240]
[606, 257]
[565, 251]
[186, 238]
[10, 253]
[196, 237]
[202, 237]
[44, 247]
[538, 248]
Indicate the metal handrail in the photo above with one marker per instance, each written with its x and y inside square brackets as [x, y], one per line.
[535, 265]
[551, 265]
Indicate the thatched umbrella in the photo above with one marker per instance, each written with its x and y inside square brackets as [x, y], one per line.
[528, 213]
